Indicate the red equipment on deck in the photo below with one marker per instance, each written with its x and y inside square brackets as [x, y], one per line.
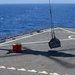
[17, 48]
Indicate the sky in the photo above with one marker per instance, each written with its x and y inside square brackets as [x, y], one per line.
[34, 1]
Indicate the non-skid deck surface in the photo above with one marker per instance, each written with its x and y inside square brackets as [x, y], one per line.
[36, 57]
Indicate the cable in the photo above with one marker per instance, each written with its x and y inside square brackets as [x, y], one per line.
[52, 25]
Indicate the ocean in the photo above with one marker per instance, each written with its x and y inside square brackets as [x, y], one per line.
[19, 18]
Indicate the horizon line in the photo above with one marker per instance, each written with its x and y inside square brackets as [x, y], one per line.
[37, 3]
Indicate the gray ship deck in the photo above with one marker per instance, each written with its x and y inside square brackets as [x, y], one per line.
[37, 58]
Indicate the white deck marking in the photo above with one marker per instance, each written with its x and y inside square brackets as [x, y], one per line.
[66, 39]
[45, 41]
[37, 42]
[5, 43]
[71, 37]
[18, 39]
[36, 34]
[54, 74]
[3, 67]
[25, 37]
[22, 69]
[25, 70]
[67, 30]
[11, 68]
[32, 71]
[43, 72]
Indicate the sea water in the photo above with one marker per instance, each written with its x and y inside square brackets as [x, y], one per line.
[18, 18]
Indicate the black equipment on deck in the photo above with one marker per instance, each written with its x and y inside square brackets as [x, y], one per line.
[54, 42]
